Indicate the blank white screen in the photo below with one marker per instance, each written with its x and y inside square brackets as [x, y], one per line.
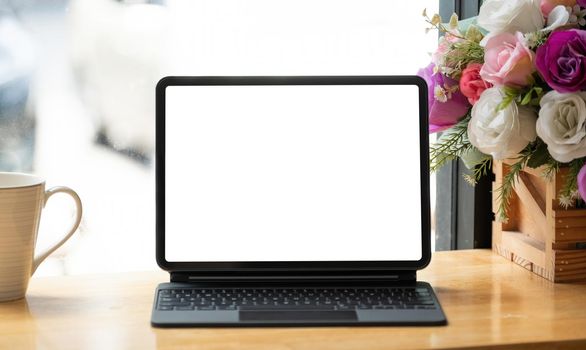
[292, 173]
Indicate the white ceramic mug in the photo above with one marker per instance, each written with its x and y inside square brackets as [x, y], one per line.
[22, 198]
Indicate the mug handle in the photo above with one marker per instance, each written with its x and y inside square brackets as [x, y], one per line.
[41, 257]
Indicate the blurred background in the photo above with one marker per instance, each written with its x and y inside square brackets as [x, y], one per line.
[77, 85]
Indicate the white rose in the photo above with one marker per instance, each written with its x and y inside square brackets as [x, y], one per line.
[562, 125]
[510, 16]
[558, 17]
[501, 133]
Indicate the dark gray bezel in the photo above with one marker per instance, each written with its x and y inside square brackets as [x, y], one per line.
[289, 267]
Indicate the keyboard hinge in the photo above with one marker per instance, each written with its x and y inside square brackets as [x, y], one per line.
[389, 276]
[407, 276]
[179, 277]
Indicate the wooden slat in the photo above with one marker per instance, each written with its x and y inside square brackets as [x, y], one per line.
[530, 193]
[572, 261]
[570, 265]
[569, 277]
[573, 254]
[524, 246]
[535, 172]
[572, 234]
[569, 213]
[565, 245]
[533, 207]
[567, 222]
[528, 226]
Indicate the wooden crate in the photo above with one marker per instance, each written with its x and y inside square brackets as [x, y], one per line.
[540, 235]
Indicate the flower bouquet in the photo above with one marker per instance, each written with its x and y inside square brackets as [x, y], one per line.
[510, 84]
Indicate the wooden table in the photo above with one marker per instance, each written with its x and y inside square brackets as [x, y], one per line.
[489, 302]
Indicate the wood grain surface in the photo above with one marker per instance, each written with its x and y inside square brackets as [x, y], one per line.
[489, 301]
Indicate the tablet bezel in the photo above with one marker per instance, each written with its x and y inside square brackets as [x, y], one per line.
[288, 267]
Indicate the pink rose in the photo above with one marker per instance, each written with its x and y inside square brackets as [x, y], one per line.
[471, 84]
[547, 5]
[508, 61]
[582, 182]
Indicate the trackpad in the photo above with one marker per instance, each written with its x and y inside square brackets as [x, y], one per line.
[298, 315]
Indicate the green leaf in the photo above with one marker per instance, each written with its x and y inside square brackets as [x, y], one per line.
[527, 98]
[505, 103]
[535, 102]
[510, 91]
[539, 157]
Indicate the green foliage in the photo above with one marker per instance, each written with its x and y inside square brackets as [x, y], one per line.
[451, 145]
[481, 169]
[536, 155]
[510, 95]
[536, 39]
[570, 187]
[460, 55]
[540, 155]
[550, 168]
[529, 96]
[505, 191]
[454, 144]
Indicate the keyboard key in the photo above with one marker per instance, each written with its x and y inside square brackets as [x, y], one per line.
[227, 307]
[344, 307]
[383, 307]
[287, 307]
[174, 303]
[425, 307]
[184, 308]
[206, 308]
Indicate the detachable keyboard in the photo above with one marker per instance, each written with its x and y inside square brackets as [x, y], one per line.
[183, 304]
[199, 299]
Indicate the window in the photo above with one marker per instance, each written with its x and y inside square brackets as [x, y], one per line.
[463, 213]
[85, 98]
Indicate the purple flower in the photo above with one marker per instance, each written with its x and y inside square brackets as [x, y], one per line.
[446, 103]
[582, 3]
[561, 60]
[582, 182]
